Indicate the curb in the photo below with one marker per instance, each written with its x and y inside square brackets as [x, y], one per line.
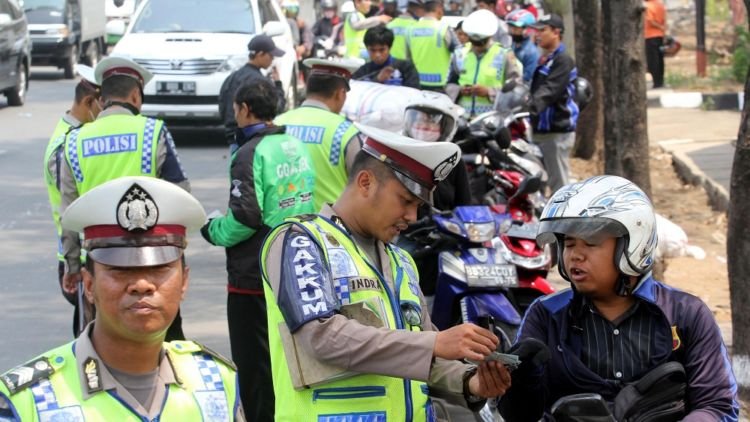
[719, 101]
[689, 172]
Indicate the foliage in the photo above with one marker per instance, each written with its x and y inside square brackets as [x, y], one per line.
[741, 55]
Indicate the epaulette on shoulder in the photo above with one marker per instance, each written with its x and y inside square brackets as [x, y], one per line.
[195, 347]
[23, 376]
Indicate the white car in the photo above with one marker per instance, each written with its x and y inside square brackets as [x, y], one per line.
[191, 46]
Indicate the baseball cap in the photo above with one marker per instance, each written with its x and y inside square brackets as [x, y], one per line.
[264, 43]
[552, 20]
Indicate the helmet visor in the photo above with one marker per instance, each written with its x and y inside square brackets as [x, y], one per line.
[425, 125]
[592, 230]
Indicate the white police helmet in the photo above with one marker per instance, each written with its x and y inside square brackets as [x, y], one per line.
[602, 207]
[479, 25]
[434, 106]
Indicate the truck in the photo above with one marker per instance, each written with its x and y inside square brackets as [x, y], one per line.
[118, 14]
[64, 32]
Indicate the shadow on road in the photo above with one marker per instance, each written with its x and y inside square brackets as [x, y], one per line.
[46, 74]
[198, 138]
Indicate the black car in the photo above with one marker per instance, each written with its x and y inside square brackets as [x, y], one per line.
[15, 52]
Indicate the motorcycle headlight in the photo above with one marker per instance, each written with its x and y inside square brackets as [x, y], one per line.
[480, 232]
[232, 63]
[452, 227]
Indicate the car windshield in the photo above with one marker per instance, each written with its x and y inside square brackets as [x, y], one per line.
[42, 4]
[234, 16]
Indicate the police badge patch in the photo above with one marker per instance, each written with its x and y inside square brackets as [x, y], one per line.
[213, 404]
[136, 211]
[65, 414]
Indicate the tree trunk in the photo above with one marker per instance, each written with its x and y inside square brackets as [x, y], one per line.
[625, 132]
[738, 12]
[589, 60]
[738, 247]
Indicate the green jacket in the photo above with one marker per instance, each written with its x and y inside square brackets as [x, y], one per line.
[271, 178]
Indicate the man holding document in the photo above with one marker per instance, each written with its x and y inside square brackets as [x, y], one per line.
[349, 332]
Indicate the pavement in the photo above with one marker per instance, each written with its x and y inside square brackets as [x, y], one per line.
[701, 145]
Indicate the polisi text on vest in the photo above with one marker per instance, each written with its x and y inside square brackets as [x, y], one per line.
[111, 144]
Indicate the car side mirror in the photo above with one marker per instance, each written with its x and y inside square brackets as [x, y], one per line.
[5, 19]
[274, 28]
[116, 27]
[119, 3]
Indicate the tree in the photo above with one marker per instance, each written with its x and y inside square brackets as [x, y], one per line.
[589, 60]
[738, 246]
[625, 132]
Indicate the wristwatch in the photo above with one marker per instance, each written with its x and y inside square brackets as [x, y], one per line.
[470, 398]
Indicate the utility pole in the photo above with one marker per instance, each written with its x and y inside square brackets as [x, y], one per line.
[700, 34]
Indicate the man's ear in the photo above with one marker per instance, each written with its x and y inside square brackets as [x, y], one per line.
[366, 182]
[88, 284]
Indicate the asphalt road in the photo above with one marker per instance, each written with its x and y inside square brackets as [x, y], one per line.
[35, 317]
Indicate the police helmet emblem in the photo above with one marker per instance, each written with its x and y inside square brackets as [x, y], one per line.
[136, 211]
[443, 169]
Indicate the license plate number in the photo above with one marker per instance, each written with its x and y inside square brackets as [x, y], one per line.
[175, 88]
[492, 275]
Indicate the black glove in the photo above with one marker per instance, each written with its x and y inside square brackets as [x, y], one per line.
[532, 352]
[206, 233]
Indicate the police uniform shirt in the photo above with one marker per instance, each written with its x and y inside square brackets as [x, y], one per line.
[619, 350]
[396, 353]
[168, 168]
[84, 350]
[54, 162]
[352, 148]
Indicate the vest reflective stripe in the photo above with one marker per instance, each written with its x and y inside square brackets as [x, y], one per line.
[326, 136]
[429, 53]
[354, 40]
[400, 27]
[112, 147]
[207, 392]
[57, 140]
[366, 396]
[489, 72]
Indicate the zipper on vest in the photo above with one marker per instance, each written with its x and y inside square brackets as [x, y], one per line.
[348, 392]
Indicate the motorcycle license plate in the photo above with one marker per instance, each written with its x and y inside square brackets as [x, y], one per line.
[491, 275]
[524, 231]
[175, 88]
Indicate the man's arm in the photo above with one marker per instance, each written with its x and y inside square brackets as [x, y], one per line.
[367, 23]
[555, 86]
[409, 74]
[712, 388]
[168, 165]
[226, 109]
[244, 216]
[70, 241]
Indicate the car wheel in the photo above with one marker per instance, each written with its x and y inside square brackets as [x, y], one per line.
[93, 53]
[17, 95]
[69, 69]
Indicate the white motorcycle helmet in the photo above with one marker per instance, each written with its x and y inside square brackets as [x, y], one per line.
[598, 208]
[431, 117]
[480, 25]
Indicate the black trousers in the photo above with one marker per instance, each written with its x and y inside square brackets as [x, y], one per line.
[655, 60]
[248, 338]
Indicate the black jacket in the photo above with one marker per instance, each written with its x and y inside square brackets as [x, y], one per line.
[406, 70]
[229, 88]
[552, 92]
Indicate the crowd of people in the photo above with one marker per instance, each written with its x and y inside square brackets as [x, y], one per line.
[327, 316]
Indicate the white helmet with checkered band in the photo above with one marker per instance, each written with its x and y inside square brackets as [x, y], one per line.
[601, 207]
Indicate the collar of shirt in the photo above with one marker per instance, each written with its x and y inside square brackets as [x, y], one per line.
[84, 349]
[544, 59]
[388, 62]
[114, 110]
[252, 130]
[315, 103]
[69, 119]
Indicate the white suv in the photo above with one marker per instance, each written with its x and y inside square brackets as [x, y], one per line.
[191, 46]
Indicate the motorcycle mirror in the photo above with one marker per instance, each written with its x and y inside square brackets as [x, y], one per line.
[503, 137]
[581, 407]
[528, 185]
[509, 86]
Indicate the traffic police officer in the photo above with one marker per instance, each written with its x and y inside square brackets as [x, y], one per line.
[430, 44]
[400, 26]
[486, 65]
[120, 142]
[120, 368]
[355, 26]
[340, 293]
[330, 138]
[86, 107]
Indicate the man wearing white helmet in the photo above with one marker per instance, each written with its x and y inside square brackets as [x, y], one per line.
[616, 325]
[86, 106]
[349, 331]
[486, 65]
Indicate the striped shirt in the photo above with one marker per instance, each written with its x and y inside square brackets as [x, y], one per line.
[621, 350]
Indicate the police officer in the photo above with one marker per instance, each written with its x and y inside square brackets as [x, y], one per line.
[486, 65]
[330, 138]
[355, 26]
[341, 294]
[86, 107]
[120, 142]
[120, 368]
[272, 178]
[429, 45]
[400, 26]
